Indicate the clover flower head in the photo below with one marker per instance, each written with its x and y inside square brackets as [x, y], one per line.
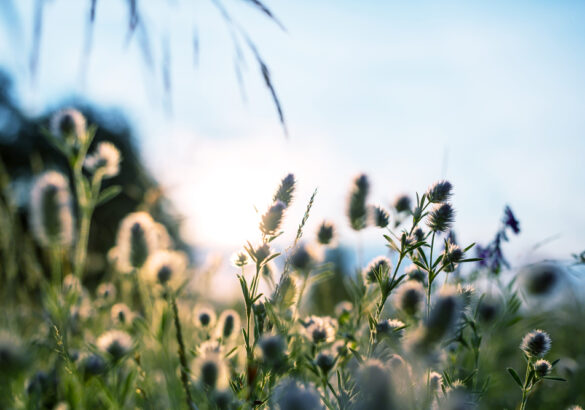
[402, 203]
[204, 316]
[272, 219]
[536, 343]
[542, 367]
[165, 268]
[320, 329]
[211, 371]
[68, 124]
[116, 343]
[377, 268]
[410, 297]
[121, 314]
[290, 394]
[325, 233]
[440, 191]
[105, 159]
[228, 324]
[137, 240]
[357, 209]
[285, 191]
[441, 217]
[380, 217]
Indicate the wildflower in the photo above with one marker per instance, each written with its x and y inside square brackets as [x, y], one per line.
[439, 192]
[260, 253]
[210, 346]
[320, 329]
[402, 203]
[229, 324]
[435, 382]
[272, 347]
[510, 220]
[115, 342]
[272, 219]
[536, 343]
[416, 273]
[136, 241]
[410, 297]
[51, 210]
[165, 267]
[240, 260]
[378, 269]
[325, 361]
[292, 395]
[69, 124]
[466, 292]
[543, 278]
[441, 217]
[204, 316]
[105, 159]
[343, 308]
[285, 191]
[419, 234]
[325, 233]
[380, 217]
[451, 256]
[390, 328]
[375, 384]
[443, 316]
[121, 314]
[106, 292]
[92, 365]
[302, 258]
[71, 284]
[542, 367]
[357, 211]
[211, 371]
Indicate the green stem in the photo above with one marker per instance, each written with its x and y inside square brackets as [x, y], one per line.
[181, 352]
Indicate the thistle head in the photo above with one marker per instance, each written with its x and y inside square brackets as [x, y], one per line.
[229, 324]
[320, 329]
[440, 191]
[357, 209]
[536, 343]
[116, 343]
[402, 203]
[410, 297]
[302, 258]
[378, 268]
[441, 217]
[136, 241]
[272, 219]
[380, 216]
[542, 368]
[69, 124]
[285, 191]
[51, 210]
[204, 317]
[104, 159]
[325, 233]
[452, 255]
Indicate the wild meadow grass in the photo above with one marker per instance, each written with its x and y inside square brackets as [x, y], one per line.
[431, 324]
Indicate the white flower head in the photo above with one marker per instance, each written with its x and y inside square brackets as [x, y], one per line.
[320, 329]
[105, 158]
[115, 342]
[212, 371]
[137, 240]
[68, 124]
[165, 268]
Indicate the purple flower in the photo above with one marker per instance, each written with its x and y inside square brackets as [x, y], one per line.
[510, 220]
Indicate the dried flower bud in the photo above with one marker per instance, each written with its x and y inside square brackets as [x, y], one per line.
[285, 191]
[51, 210]
[240, 259]
[357, 210]
[451, 257]
[272, 219]
[536, 343]
[325, 233]
[440, 191]
[441, 217]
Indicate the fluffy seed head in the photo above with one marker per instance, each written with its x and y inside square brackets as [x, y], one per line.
[417, 274]
[272, 219]
[325, 233]
[380, 217]
[320, 329]
[466, 292]
[229, 324]
[302, 258]
[211, 371]
[435, 382]
[240, 259]
[542, 367]
[272, 347]
[357, 209]
[68, 124]
[285, 191]
[390, 328]
[51, 210]
[402, 203]
[204, 316]
[121, 314]
[542, 279]
[410, 297]
[116, 343]
[444, 315]
[165, 268]
[441, 217]
[105, 159]
[440, 191]
[106, 292]
[375, 384]
[451, 257]
[377, 268]
[325, 361]
[536, 343]
[292, 395]
[136, 241]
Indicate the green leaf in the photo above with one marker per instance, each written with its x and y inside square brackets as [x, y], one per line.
[515, 376]
[357, 355]
[557, 379]
[108, 193]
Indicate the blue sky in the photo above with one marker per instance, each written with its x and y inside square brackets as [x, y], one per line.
[490, 95]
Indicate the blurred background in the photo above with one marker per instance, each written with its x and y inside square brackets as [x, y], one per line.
[487, 95]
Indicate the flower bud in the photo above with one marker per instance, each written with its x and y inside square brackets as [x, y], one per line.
[542, 367]
[441, 217]
[357, 210]
[325, 233]
[325, 361]
[440, 191]
[204, 317]
[272, 219]
[136, 241]
[115, 342]
[286, 190]
[536, 343]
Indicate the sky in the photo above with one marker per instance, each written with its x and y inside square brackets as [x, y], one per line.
[489, 95]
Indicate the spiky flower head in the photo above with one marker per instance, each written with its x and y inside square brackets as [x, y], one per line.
[302, 258]
[211, 371]
[419, 234]
[92, 365]
[116, 343]
[375, 385]
[104, 159]
[441, 217]
[272, 347]
[390, 328]
[165, 268]
[410, 297]
[325, 361]
[229, 324]
[136, 241]
[69, 124]
[325, 233]
[320, 329]
[452, 255]
[51, 210]
[543, 278]
[240, 259]
[542, 367]
[260, 253]
[380, 216]
[416, 273]
[444, 314]
[378, 268]
[488, 309]
[402, 203]
[510, 220]
[290, 394]
[272, 219]
[121, 314]
[466, 292]
[536, 343]
[106, 293]
[285, 191]
[435, 382]
[204, 316]
[440, 191]
[357, 209]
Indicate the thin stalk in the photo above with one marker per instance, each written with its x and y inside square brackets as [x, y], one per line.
[181, 352]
